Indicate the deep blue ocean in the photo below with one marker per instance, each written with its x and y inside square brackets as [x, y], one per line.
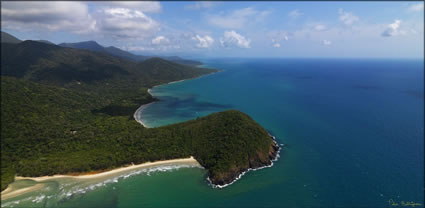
[353, 131]
[353, 128]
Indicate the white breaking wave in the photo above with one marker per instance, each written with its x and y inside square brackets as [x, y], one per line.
[38, 199]
[17, 202]
[146, 171]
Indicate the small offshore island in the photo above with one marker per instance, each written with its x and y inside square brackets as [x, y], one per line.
[69, 111]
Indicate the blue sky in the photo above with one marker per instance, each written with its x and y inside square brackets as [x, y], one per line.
[231, 29]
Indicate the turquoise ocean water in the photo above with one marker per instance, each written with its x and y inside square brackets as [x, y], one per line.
[353, 129]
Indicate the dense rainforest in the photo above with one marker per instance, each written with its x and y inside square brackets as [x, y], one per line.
[66, 110]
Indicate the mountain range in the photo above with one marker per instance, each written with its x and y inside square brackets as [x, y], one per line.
[96, 47]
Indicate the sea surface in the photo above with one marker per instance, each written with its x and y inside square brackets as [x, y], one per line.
[353, 131]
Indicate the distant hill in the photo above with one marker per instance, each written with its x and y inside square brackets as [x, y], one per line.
[87, 45]
[181, 60]
[167, 69]
[124, 54]
[94, 46]
[48, 63]
[38, 61]
[46, 41]
[8, 38]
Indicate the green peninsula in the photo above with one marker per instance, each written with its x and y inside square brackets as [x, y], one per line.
[66, 110]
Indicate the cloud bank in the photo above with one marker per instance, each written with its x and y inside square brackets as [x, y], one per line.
[233, 39]
[51, 16]
[126, 23]
[203, 42]
[347, 18]
[392, 29]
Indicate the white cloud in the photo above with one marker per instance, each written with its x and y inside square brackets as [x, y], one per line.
[203, 42]
[320, 27]
[238, 18]
[416, 7]
[295, 13]
[347, 18]
[201, 5]
[160, 40]
[233, 39]
[126, 23]
[51, 16]
[326, 42]
[276, 45]
[392, 29]
[141, 6]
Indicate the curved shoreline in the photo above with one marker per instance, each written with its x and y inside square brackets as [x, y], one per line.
[9, 192]
[138, 114]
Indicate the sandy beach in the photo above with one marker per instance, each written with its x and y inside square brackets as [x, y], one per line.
[189, 160]
[10, 192]
[137, 115]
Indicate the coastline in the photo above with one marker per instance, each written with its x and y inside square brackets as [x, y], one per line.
[9, 192]
[138, 113]
[190, 160]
